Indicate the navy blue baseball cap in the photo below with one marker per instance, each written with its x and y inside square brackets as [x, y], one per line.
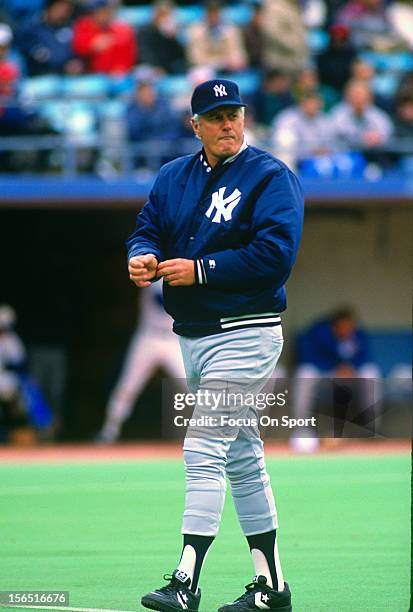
[215, 93]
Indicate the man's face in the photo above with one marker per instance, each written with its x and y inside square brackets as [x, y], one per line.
[405, 111]
[221, 131]
[146, 95]
[358, 96]
[344, 328]
[104, 15]
[311, 106]
[60, 12]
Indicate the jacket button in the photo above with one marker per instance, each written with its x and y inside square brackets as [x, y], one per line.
[192, 238]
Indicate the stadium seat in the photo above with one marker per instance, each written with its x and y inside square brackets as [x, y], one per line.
[55, 113]
[82, 120]
[112, 109]
[136, 15]
[317, 40]
[385, 84]
[171, 86]
[121, 86]
[93, 86]
[238, 14]
[389, 62]
[248, 81]
[41, 88]
[190, 14]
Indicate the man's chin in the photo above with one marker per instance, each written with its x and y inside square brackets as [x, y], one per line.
[228, 149]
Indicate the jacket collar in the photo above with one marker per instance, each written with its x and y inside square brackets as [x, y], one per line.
[204, 160]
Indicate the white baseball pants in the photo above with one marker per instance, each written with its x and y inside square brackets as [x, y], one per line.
[244, 360]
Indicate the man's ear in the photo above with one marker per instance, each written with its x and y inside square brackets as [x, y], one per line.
[195, 127]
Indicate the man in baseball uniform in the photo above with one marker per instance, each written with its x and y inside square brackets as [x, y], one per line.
[222, 227]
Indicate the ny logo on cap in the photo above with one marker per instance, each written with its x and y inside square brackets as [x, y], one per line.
[220, 90]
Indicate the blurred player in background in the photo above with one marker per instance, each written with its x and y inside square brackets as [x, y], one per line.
[334, 347]
[12, 360]
[153, 345]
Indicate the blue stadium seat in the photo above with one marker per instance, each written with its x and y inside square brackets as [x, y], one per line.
[91, 86]
[136, 15]
[55, 112]
[389, 62]
[121, 86]
[81, 120]
[238, 14]
[385, 84]
[248, 81]
[317, 40]
[190, 14]
[112, 109]
[42, 87]
[175, 85]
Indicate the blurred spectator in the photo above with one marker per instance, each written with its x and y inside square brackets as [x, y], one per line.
[403, 123]
[403, 133]
[334, 64]
[370, 27]
[150, 118]
[16, 119]
[214, 43]
[46, 40]
[4, 16]
[284, 36]
[356, 123]
[302, 131]
[334, 347]
[314, 13]
[106, 44]
[252, 33]
[153, 345]
[364, 72]
[19, 10]
[21, 401]
[9, 71]
[400, 15]
[405, 88]
[308, 80]
[12, 361]
[158, 42]
[273, 96]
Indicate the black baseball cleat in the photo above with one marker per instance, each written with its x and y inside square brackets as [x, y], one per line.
[259, 596]
[175, 596]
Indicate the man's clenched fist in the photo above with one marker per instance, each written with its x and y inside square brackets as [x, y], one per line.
[142, 269]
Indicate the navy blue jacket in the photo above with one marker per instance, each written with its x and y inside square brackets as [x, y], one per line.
[240, 222]
[320, 347]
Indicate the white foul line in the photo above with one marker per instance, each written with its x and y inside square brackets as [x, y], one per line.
[58, 608]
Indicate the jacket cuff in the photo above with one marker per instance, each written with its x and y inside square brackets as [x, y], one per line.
[200, 274]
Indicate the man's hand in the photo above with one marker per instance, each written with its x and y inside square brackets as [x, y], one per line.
[177, 272]
[142, 269]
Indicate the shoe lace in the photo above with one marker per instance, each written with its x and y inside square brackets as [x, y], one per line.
[173, 583]
[248, 589]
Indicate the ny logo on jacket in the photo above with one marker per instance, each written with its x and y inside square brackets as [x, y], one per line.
[223, 206]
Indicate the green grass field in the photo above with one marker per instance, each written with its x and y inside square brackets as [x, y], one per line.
[107, 532]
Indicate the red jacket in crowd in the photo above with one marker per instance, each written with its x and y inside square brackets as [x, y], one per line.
[110, 49]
